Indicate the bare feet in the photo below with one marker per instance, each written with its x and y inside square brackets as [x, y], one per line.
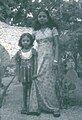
[56, 113]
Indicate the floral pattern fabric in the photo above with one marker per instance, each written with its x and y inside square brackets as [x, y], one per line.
[43, 93]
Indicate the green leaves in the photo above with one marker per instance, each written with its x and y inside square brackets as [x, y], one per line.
[16, 12]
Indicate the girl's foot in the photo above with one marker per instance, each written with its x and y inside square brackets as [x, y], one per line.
[56, 113]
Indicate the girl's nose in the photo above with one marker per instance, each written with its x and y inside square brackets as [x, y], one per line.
[26, 41]
[42, 17]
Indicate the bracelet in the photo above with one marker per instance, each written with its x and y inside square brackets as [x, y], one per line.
[55, 61]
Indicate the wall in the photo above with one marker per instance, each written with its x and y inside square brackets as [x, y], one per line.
[9, 36]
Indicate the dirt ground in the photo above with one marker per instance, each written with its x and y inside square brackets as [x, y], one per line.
[11, 109]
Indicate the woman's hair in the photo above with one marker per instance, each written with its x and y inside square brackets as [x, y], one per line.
[51, 23]
[29, 36]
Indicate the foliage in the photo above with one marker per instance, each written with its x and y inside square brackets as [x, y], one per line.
[21, 12]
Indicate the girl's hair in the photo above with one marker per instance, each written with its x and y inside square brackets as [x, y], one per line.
[29, 36]
[51, 23]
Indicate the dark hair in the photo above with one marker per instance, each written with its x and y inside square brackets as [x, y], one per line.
[29, 36]
[51, 23]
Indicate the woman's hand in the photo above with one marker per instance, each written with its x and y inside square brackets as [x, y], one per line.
[55, 61]
[35, 76]
[55, 64]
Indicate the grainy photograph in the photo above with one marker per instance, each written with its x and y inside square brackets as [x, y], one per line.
[40, 59]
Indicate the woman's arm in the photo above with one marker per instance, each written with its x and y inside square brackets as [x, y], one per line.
[35, 54]
[56, 39]
[56, 44]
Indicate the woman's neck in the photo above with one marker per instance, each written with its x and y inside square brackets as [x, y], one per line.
[43, 26]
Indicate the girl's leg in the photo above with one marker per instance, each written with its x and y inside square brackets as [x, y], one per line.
[28, 96]
[24, 110]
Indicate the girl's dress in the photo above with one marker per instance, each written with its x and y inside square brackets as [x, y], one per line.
[26, 65]
[43, 93]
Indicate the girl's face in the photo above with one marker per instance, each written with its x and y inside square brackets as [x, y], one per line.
[26, 42]
[42, 18]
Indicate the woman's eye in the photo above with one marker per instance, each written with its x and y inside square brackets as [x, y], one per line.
[39, 16]
[44, 16]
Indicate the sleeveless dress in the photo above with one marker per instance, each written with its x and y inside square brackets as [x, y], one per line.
[26, 65]
[43, 93]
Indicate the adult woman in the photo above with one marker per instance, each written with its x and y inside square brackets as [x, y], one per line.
[46, 37]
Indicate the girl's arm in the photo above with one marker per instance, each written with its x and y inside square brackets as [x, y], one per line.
[18, 64]
[17, 58]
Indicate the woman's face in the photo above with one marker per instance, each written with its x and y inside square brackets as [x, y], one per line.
[26, 42]
[42, 18]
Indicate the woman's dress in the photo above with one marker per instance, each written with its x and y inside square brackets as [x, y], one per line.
[43, 93]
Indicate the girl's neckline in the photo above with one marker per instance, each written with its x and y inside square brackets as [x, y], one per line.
[26, 55]
[26, 50]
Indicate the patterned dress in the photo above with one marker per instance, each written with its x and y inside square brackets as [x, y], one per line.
[26, 65]
[43, 93]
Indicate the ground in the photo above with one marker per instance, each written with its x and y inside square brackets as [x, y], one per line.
[12, 104]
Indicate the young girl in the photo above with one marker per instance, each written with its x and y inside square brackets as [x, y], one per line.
[26, 64]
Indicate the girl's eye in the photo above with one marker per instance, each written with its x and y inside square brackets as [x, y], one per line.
[23, 40]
